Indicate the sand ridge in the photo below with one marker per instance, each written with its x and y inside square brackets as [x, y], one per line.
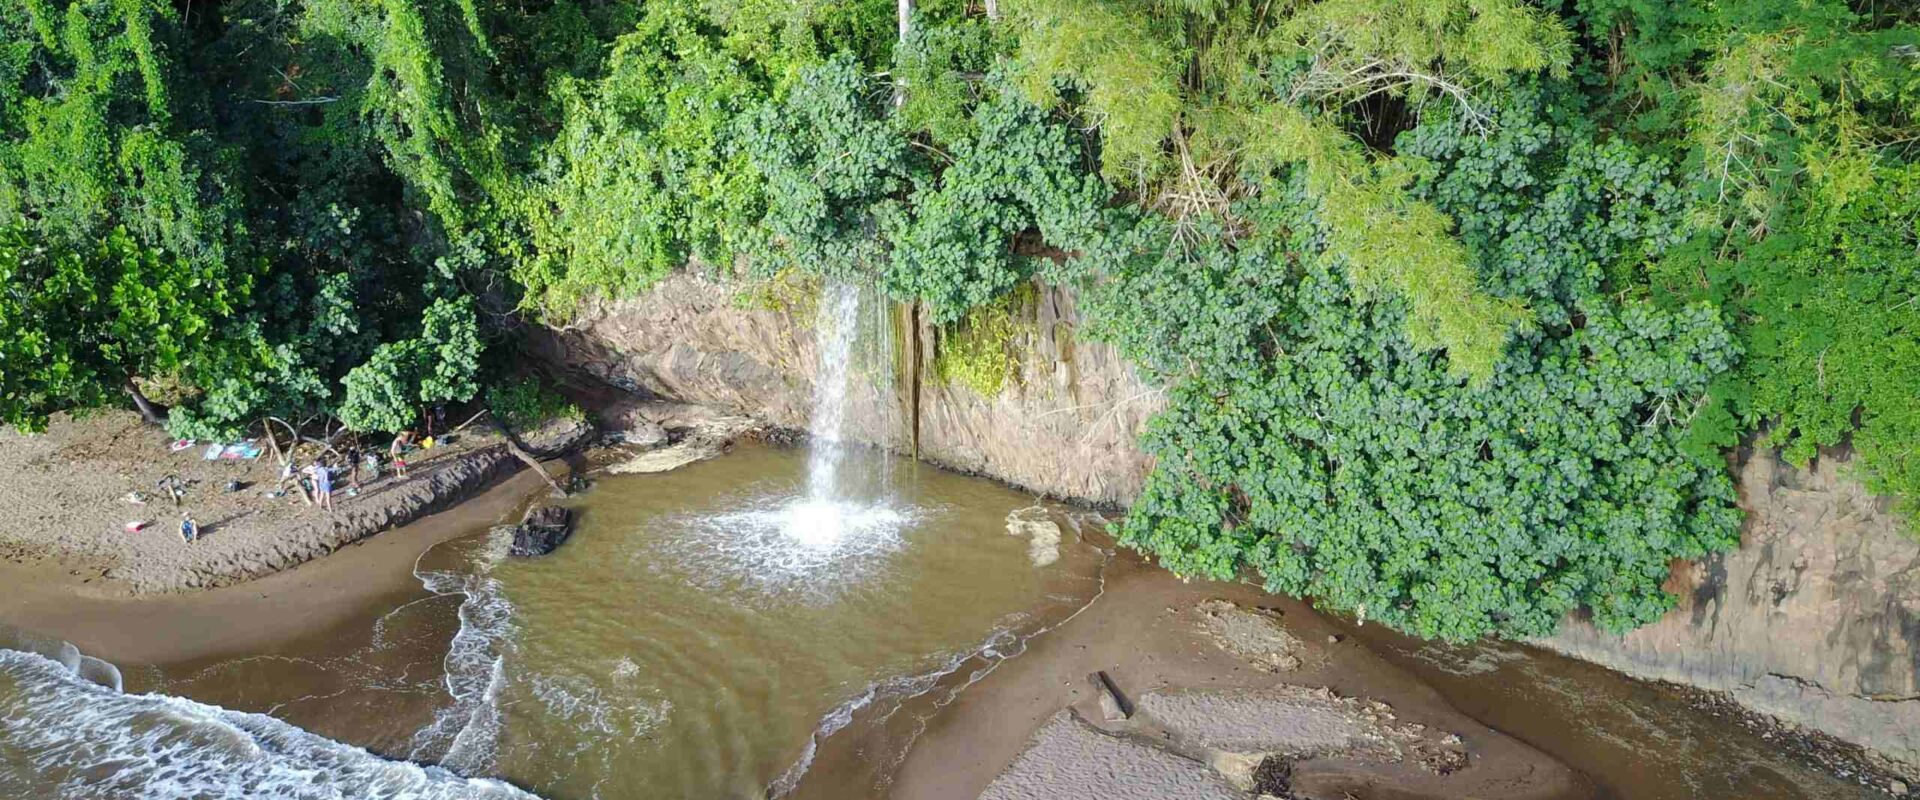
[66, 493]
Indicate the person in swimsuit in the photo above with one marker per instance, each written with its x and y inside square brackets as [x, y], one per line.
[398, 450]
[353, 470]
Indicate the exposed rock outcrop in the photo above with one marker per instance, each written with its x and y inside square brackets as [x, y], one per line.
[1065, 426]
[1815, 619]
[699, 437]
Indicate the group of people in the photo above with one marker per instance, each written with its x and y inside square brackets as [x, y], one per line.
[314, 482]
[317, 483]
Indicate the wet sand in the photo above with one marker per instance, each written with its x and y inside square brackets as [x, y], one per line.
[1144, 633]
[253, 617]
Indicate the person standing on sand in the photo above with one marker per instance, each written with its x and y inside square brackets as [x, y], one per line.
[353, 469]
[398, 451]
[322, 485]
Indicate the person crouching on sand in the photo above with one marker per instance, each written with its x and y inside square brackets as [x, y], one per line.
[322, 485]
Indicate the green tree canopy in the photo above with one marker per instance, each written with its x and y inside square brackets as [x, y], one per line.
[83, 323]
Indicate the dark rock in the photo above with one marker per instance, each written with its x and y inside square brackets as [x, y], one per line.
[542, 530]
[548, 517]
[1274, 777]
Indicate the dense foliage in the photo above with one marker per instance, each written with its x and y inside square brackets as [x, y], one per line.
[1312, 441]
[527, 403]
[84, 321]
[1455, 302]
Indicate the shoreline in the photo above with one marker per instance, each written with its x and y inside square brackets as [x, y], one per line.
[77, 487]
[133, 630]
[1536, 723]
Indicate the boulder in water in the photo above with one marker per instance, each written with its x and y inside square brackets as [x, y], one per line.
[542, 530]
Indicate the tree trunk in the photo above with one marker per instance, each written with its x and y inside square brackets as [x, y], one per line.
[906, 24]
[993, 9]
[154, 415]
[513, 446]
[266, 427]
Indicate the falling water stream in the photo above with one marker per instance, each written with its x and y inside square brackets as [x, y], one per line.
[836, 328]
[840, 511]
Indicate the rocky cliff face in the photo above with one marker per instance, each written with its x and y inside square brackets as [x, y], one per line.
[1814, 620]
[1065, 426]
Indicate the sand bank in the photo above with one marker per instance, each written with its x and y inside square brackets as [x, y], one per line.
[257, 616]
[67, 493]
[1155, 636]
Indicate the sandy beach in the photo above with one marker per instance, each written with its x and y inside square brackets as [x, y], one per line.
[72, 490]
[255, 616]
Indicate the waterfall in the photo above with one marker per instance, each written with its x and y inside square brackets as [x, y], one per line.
[846, 505]
[837, 326]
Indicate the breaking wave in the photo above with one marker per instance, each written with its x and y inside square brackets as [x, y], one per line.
[59, 730]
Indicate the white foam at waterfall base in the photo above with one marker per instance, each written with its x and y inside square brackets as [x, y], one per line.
[93, 742]
[823, 527]
[779, 544]
[831, 536]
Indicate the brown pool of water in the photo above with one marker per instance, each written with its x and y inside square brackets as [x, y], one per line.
[695, 636]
